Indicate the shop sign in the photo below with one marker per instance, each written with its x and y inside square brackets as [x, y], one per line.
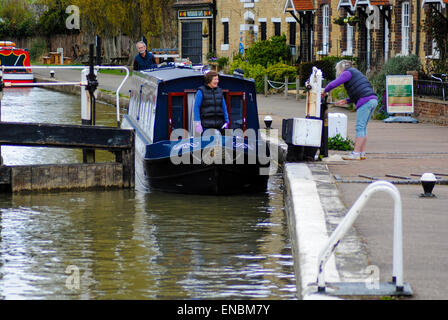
[195, 14]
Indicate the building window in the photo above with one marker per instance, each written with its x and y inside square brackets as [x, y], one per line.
[226, 32]
[277, 28]
[325, 30]
[263, 30]
[292, 33]
[405, 15]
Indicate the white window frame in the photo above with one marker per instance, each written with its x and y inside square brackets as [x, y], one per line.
[405, 27]
[349, 48]
[325, 30]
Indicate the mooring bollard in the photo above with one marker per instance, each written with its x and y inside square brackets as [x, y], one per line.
[428, 182]
[324, 118]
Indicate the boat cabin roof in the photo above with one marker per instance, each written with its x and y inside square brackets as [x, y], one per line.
[167, 74]
[174, 73]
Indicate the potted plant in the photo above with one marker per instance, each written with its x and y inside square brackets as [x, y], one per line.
[339, 21]
[351, 20]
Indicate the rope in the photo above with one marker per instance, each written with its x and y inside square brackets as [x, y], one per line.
[270, 84]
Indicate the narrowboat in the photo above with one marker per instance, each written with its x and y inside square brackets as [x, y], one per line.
[10, 56]
[171, 157]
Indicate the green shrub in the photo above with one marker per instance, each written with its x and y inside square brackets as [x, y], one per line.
[38, 48]
[267, 52]
[222, 62]
[339, 143]
[17, 21]
[255, 72]
[278, 72]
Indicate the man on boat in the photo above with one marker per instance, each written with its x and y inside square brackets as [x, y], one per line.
[210, 110]
[144, 59]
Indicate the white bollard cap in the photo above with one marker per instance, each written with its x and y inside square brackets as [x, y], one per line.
[428, 177]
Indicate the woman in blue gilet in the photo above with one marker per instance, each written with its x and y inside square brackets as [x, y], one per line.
[210, 110]
[360, 93]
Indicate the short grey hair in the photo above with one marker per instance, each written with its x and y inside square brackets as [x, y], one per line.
[342, 65]
[140, 42]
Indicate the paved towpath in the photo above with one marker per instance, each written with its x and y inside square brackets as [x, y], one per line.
[403, 150]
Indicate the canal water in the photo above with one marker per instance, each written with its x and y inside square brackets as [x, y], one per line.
[127, 244]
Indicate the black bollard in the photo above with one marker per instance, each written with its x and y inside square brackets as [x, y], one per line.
[324, 118]
[92, 84]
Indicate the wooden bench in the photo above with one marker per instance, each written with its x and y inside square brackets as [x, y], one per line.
[46, 60]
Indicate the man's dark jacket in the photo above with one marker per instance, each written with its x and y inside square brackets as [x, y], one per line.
[147, 62]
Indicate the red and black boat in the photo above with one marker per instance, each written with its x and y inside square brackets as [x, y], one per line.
[10, 56]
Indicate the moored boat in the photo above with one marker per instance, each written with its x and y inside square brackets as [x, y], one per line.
[10, 56]
[170, 157]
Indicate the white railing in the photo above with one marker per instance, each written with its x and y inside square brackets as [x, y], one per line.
[79, 83]
[349, 219]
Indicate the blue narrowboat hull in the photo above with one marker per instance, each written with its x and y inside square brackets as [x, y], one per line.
[200, 166]
[214, 179]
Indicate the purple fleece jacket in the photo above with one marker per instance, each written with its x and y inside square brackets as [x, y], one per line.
[344, 77]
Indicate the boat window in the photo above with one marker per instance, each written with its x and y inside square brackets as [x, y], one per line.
[236, 107]
[177, 113]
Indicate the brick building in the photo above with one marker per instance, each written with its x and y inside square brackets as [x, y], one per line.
[383, 28]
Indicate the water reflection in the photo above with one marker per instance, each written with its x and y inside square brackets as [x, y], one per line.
[132, 245]
[128, 244]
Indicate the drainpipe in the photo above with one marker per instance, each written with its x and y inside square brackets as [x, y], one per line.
[214, 25]
[417, 36]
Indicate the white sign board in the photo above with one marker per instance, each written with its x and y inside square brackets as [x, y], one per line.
[400, 94]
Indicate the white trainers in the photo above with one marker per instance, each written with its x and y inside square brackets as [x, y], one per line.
[363, 156]
[352, 156]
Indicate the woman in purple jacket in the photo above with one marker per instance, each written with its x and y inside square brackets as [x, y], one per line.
[360, 93]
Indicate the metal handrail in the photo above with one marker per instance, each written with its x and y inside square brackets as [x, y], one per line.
[80, 83]
[441, 81]
[349, 219]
